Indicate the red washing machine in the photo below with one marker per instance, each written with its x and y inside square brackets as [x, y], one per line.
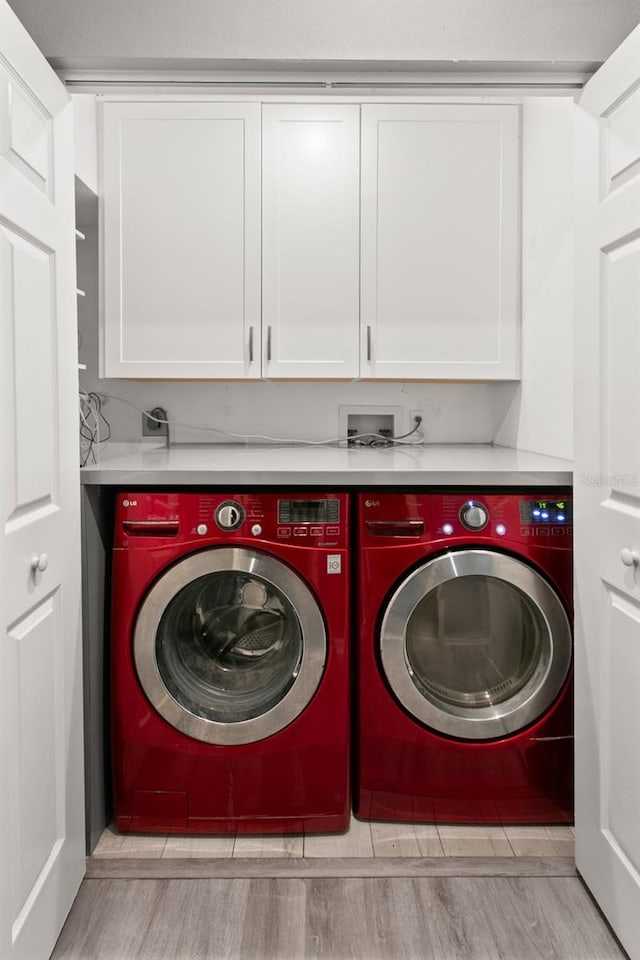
[465, 657]
[230, 663]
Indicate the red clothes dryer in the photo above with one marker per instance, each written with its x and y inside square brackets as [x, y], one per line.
[465, 657]
[230, 663]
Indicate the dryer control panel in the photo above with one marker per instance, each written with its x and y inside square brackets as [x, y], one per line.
[483, 516]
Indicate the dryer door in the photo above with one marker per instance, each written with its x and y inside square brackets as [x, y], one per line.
[475, 644]
[230, 646]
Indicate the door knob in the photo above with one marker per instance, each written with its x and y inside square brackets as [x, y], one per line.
[630, 558]
[39, 563]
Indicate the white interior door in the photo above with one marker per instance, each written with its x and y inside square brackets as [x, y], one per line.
[41, 779]
[607, 490]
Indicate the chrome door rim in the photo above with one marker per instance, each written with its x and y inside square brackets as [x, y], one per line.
[492, 721]
[314, 640]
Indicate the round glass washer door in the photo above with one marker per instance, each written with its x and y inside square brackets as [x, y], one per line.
[229, 645]
[475, 644]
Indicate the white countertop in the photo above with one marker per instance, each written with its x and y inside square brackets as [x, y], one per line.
[139, 464]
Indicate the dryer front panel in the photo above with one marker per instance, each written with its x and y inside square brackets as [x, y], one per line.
[230, 645]
[475, 644]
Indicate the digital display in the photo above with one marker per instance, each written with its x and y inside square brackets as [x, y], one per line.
[308, 511]
[546, 511]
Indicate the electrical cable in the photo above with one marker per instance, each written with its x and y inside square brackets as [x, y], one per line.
[384, 441]
[91, 418]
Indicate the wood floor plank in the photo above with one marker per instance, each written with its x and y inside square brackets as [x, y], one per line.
[464, 841]
[265, 846]
[356, 842]
[413, 918]
[438, 866]
[394, 840]
[544, 919]
[189, 847]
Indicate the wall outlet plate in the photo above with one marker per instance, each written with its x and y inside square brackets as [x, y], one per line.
[151, 427]
[364, 419]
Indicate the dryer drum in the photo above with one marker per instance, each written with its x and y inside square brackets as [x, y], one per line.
[475, 644]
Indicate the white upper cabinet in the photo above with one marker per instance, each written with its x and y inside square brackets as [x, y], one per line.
[181, 236]
[310, 237]
[440, 294]
[310, 240]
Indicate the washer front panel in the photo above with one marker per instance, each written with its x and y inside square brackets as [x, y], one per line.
[475, 644]
[229, 645]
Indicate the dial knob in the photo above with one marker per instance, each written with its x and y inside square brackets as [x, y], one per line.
[474, 516]
[229, 515]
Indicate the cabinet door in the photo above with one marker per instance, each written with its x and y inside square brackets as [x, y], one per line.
[181, 234]
[310, 240]
[440, 241]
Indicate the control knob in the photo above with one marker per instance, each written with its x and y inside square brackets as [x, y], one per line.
[229, 515]
[474, 516]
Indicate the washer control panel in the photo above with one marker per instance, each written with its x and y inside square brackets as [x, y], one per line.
[229, 515]
[474, 515]
[313, 520]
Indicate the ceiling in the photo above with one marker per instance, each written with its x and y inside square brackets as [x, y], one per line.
[85, 33]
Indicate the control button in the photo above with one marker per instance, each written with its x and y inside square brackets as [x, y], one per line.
[284, 531]
[501, 529]
[201, 529]
[316, 531]
[333, 531]
[561, 532]
[447, 529]
[300, 531]
[474, 516]
[256, 529]
[229, 515]
[542, 532]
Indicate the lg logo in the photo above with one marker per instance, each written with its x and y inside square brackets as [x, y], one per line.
[129, 503]
[372, 503]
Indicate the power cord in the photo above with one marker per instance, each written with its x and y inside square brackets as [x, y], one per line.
[378, 437]
[91, 418]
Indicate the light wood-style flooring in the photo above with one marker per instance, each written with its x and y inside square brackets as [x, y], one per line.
[363, 839]
[378, 892]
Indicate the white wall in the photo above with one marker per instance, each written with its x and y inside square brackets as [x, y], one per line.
[387, 30]
[538, 415]
[535, 414]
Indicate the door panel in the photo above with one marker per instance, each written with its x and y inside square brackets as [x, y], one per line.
[29, 274]
[607, 489]
[41, 789]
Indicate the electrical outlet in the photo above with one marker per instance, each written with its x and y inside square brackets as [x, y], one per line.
[151, 425]
[419, 427]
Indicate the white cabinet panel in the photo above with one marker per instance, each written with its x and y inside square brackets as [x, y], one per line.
[181, 185]
[440, 241]
[310, 240]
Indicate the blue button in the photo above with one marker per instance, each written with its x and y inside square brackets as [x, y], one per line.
[561, 517]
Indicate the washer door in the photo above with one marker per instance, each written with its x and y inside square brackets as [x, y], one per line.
[475, 644]
[230, 646]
